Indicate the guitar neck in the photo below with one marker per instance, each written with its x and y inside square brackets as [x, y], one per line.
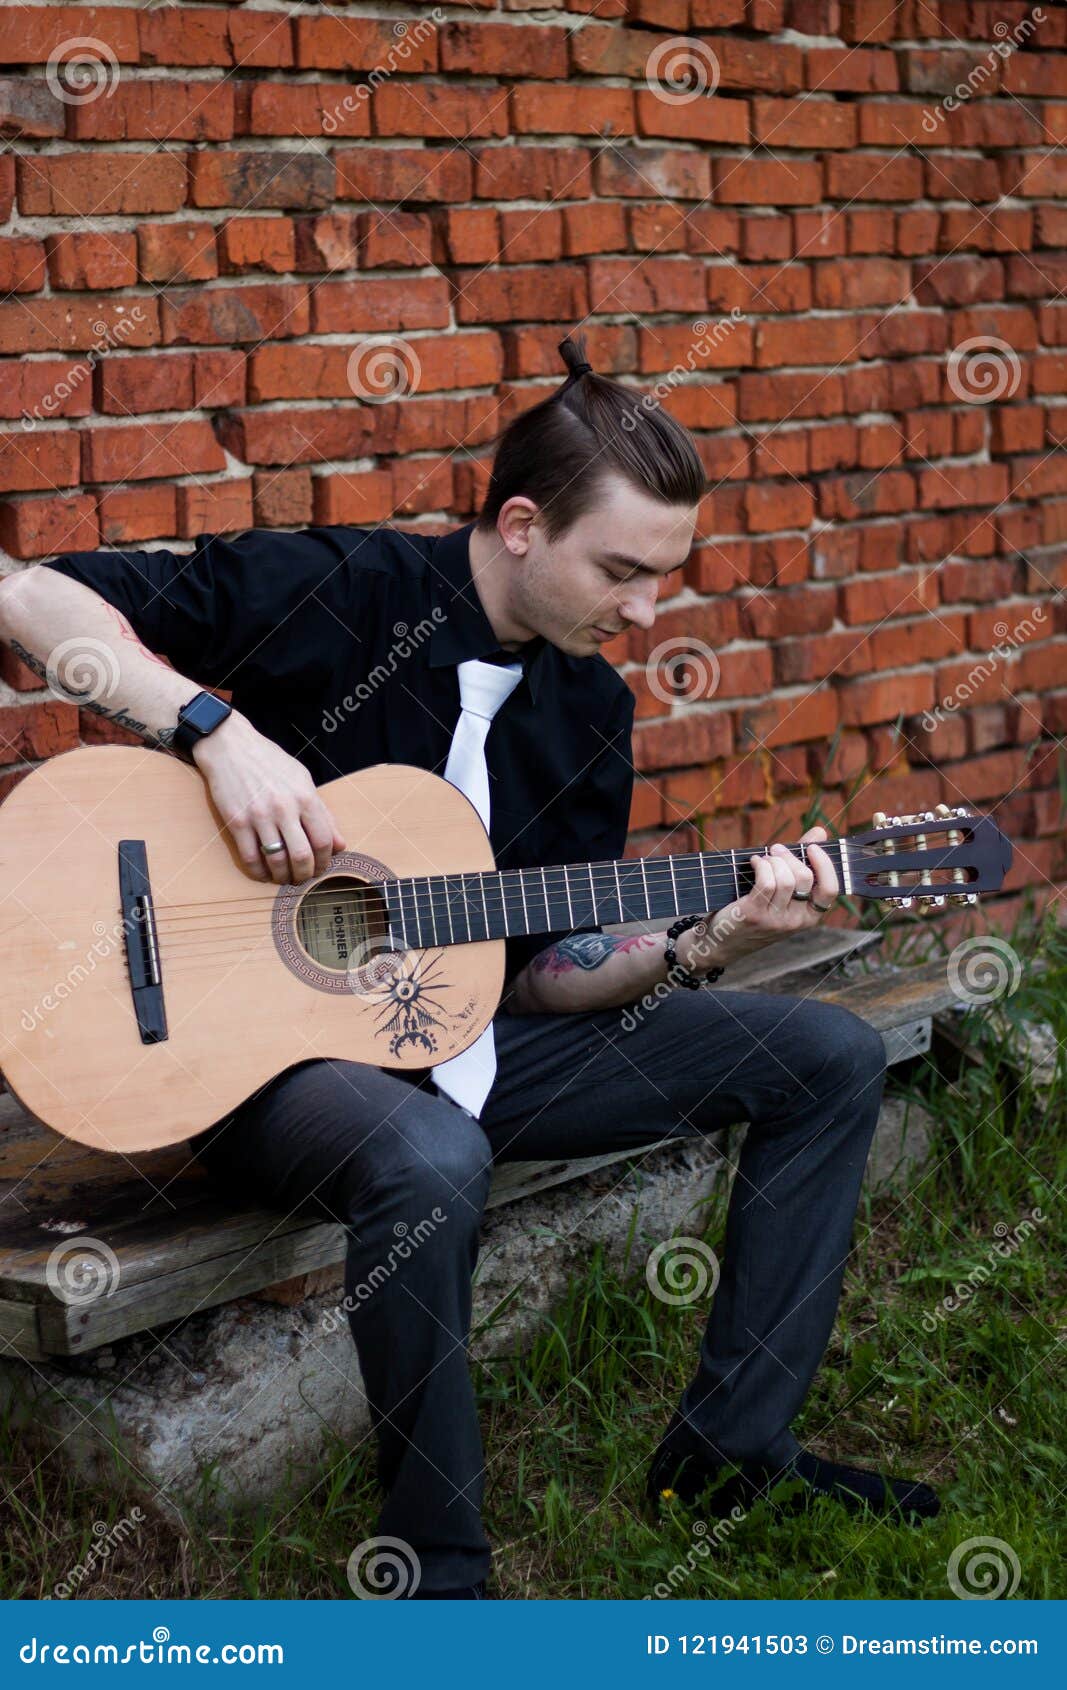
[456, 909]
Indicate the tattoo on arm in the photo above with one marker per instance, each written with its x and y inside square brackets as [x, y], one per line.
[128, 634]
[585, 950]
[121, 717]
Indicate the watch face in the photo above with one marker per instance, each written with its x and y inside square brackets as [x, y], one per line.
[204, 712]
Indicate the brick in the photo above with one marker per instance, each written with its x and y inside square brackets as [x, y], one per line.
[885, 596]
[34, 528]
[873, 176]
[434, 176]
[310, 109]
[810, 122]
[884, 698]
[719, 122]
[47, 389]
[32, 35]
[256, 243]
[356, 499]
[353, 43]
[219, 316]
[22, 265]
[857, 282]
[963, 484]
[282, 498]
[773, 506]
[766, 182]
[127, 386]
[89, 261]
[639, 172]
[440, 112]
[800, 610]
[30, 111]
[520, 294]
[155, 111]
[144, 451]
[81, 184]
[219, 378]
[696, 737]
[137, 513]
[545, 108]
[34, 461]
[31, 731]
[788, 721]
[177, 252]
[379, 305]
[252, 180]
[395, 239]
[216, 507]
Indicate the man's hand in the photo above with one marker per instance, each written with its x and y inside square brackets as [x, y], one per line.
[769, 911]
[263, 794]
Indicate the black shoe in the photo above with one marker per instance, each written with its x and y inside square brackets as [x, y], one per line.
[681, 1468]
[456, 1593]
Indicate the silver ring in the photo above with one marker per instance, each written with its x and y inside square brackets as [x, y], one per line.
[822, 908]
[802, 897]
[268, 850]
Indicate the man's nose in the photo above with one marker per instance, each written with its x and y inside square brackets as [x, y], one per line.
[640, 608]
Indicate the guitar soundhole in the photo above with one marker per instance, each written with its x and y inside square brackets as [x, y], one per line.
[341, 923]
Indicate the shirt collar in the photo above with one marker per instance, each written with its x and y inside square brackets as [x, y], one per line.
[465, 630]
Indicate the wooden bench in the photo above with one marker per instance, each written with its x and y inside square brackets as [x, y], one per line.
[178, 1246]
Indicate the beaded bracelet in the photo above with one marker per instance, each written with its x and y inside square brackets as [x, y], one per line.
[678, 969]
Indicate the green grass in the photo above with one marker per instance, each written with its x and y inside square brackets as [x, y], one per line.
[974, 1401]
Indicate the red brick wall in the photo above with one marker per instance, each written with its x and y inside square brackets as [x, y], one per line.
[796, 262]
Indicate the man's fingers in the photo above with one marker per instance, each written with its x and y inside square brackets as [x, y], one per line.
[826, 887]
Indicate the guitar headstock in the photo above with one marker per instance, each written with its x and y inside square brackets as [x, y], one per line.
[940, 856]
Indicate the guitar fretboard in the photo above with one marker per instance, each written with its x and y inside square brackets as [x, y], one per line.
[456, 909]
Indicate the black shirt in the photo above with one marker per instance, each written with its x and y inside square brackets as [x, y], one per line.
[341, 645]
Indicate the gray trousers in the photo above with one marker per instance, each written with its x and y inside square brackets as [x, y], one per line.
[390, 1159]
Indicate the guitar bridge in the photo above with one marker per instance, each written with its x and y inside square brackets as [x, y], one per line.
[142, 946]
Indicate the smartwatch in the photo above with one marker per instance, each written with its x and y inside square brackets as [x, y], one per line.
[201, 716]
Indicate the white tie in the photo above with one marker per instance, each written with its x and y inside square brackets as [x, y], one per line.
[483, 688]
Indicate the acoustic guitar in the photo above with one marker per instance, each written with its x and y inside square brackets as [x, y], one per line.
[150, 984]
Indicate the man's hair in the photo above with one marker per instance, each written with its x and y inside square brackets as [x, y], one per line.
[559, 452]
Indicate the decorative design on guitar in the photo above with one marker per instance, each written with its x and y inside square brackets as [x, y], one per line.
[411, 1005]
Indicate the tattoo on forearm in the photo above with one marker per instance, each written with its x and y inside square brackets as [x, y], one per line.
[585, 950]
[121, 717]
[128, 634]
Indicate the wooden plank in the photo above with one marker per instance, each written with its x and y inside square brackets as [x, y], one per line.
[181, 1245]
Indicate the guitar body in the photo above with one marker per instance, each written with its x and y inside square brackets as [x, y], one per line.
[251, 977]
